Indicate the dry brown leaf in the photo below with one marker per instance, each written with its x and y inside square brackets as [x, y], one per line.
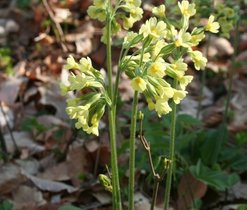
[77, 164]
[54, 125]
[23, 140]
[48, 185]
[10, 178]
[221, 46]
[27, 195]
[50, 95]
[103, 197]
[11, 88]
[189, 184]
[56, 173]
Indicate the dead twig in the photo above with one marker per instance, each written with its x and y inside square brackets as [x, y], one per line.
[157, 177]
[3, 148]
[59, 28]
[10, 131]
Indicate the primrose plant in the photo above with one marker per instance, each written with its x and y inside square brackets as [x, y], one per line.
[157, 55]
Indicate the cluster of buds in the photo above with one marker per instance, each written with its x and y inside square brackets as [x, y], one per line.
[91, 106]
[225, 14]
[127, 10]
[226, 17]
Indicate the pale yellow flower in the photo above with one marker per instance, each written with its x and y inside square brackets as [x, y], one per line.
[83, 113]
[64, 89]
[162, 107]
[133, 3]
[72, 101]
[165, 92]
[183, 39]
[71, 64]
[94, 129]
[212, 26]
[151, 105]
[72, 112]
[138, 84]
[159, 11]
[136, 13]
[128, 38]
[128, 22]
[78, 82]
[156, 69]
[97, 12]
[195, 39]
[184, 81]
[198, 59]
[158, 46]
[187, 9]
[154, 29]
[179, 65]
[85, 64]
[179, 95]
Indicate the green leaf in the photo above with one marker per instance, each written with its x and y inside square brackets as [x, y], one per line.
[212, 144]
[214, 177]
[238, 163]
[31, 123]
[242, 207]
[185, 118]
[69, 208]
[23, 3]
[6, 205]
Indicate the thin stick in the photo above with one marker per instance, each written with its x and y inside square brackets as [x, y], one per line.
[157, 177]
[4, 148]
[59, 28]
[10, 131]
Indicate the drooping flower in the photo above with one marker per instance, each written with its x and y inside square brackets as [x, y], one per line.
[179, 95]
[184, 81]
[165, 92]
[138, 84]
[198, 59]
[151, 105]
[179, 65]
[162, 107]
[64, 89]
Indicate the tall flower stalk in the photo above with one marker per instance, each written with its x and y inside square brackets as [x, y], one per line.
[144, 59]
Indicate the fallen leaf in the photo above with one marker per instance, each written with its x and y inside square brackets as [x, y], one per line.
[10, 178]
[48, 185]
[189, 188]
[27, 195]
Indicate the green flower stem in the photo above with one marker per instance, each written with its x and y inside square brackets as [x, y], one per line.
[132, 151]
[203, 80]
[115, 178]
[223, 125]
[171, 152]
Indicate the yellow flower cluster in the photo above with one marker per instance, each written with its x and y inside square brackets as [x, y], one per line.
[91, 106]
[148, 66]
